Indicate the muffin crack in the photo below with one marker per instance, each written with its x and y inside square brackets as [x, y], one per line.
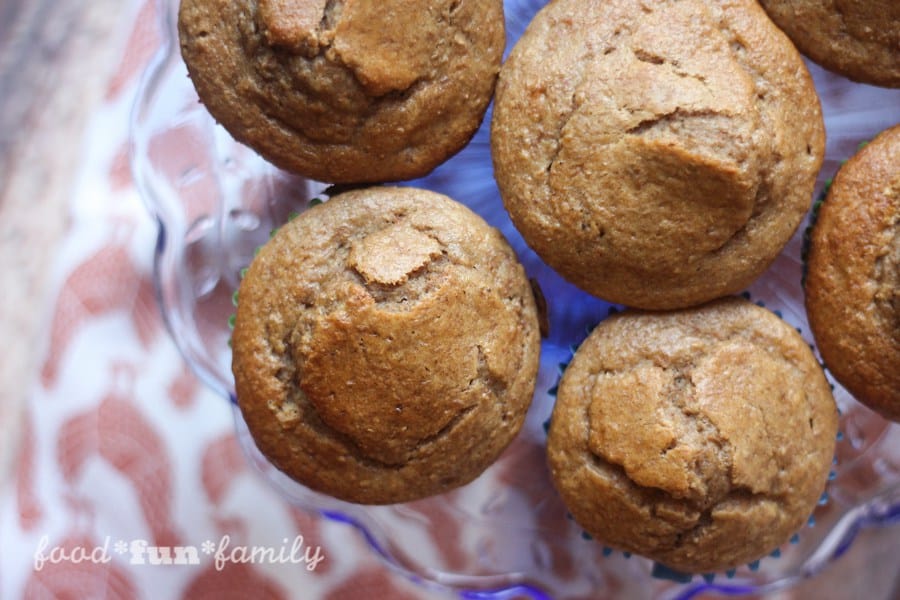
[450, 16]
[279, 122]
[682, 437]
[293, 409]
[716, 455]
[570, 111]
[662, 119]
[400, 264]
[652, 58]
[330, 15]
[648, 495]
[306, 29]
[419, 452]
[339, 91]
[689, 515]
[651, 170]
[496, 385]
[704, 521]
[671, 445]
[886, 274]
[558, 137]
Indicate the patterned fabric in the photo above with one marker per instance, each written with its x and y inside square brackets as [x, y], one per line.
[126, 460]
[123, 451]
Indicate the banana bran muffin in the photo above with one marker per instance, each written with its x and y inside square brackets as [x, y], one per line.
[346, 92]
[853, 275]
[859, 39]
[701, 438]
[385, 346]
[657, 154]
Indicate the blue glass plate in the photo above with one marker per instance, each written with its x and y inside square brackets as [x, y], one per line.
[506, 534]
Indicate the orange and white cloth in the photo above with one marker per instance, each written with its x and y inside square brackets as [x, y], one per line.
[125, 459]
[129, 482]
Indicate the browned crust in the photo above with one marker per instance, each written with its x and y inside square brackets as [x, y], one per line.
[701, 438]
[346, 92]
[859, 39]
[656, 154]
[853, 282]
[386, 346]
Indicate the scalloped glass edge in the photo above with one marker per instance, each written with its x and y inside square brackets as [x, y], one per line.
[177, 301]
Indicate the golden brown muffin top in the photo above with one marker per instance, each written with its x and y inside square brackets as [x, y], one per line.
[386, 346]
[657, 154]
[859, 39]
[853, 275]
[701, 438]
[346, 91]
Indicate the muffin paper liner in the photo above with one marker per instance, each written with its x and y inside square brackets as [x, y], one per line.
[661, 571]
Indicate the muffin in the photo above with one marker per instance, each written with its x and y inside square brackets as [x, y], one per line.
[701, 438]
[346, 92]
[385, 346]
[853, 276]
[860, 39]
[657, 155]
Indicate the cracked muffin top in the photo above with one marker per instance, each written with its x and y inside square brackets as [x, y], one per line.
[346, 91]
[385, 346]
[657, 154]
[701, 438]
[860, 39]
[853, 275]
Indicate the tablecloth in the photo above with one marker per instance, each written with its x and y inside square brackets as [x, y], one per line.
[128, 481]
[125, 459]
